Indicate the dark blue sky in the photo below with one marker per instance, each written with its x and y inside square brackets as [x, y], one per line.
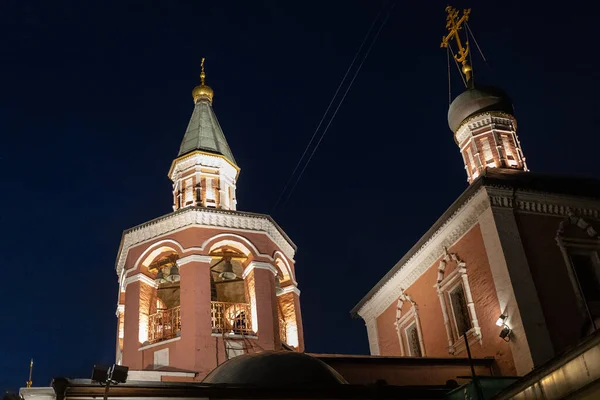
[96, 96]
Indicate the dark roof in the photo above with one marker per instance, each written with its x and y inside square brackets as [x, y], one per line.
[275, 369]
[337, 359]
[497, 177]
[68, 388]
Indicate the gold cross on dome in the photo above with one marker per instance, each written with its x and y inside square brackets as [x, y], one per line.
[454, 25]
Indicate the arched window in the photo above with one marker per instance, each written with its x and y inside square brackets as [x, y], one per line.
[457, 304]
[580, 245]
[408, 327]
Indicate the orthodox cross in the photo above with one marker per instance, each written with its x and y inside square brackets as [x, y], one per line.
[454, 25]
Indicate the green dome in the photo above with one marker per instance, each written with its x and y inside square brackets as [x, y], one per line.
[477, 100]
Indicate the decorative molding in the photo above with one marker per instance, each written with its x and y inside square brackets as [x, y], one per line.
[139, 277]
[201, 159]
[582, 224]
[373, 336]
[453, 229]
[289, 289]
[543, 203]
[501, 121]
[149, 346]
[405, 321]
[202, 217]
[120, 310]
[461, 221]
[443, 286]
[258, 265]
[193, 258]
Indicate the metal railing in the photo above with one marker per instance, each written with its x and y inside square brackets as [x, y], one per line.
[165, 324]
[231, 318]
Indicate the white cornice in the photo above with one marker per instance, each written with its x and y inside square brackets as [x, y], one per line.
[543, 203]
[149, 346]
[452, 230]
[194, 258]
[460, 223]
[289, 289]
[205, 160]
[202, 217]
[138, 277]
[504, 122]
[120, 309]
[259, 265]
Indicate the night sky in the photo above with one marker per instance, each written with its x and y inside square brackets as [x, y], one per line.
[95, 99]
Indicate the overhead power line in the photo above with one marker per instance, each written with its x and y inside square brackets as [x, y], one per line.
[331, 103]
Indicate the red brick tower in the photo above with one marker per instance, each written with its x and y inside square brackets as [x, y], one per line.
[206, 282]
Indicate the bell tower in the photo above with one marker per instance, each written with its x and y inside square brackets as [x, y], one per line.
[482, 117]
[206, 282]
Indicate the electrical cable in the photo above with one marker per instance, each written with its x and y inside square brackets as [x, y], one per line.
[341, 101]
[327, 110]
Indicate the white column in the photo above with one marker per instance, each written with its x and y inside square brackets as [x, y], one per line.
[373, 335]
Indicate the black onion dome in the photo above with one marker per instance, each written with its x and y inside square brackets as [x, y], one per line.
[275, 369]
[477, 100]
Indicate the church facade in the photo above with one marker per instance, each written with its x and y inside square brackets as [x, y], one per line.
[206, 282]
[512, 266]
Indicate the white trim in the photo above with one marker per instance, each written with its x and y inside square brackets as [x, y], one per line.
[458, 224]
[287, 264]
[454, 228]
[149, 346]
[412, 316]
[139, 277]
[150, 249]
[445, 286]
[155, 376]
[373, 335]
[193, 258]
[37, 393]
[181, 165]
[233, 336]
[120, 309]
[202, 218]
[289, 289]
[258, 265]
[238, 237]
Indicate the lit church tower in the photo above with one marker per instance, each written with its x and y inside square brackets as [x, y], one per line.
[206, 282]
[482, 117]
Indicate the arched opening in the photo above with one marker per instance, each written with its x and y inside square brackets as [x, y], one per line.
[164, 320]
[230, 307]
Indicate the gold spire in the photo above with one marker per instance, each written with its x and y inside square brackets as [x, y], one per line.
[454, 25]
[29, 382]
[202, 91]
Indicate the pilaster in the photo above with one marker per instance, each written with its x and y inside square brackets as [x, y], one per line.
[197, 346]
[516, 289]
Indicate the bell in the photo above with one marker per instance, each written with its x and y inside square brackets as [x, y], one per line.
[160, 277]
[227, 274]
[278, 289]
[174, 274]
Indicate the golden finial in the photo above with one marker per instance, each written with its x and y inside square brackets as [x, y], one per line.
[454, 25]
[202, 90]
[29, 382]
